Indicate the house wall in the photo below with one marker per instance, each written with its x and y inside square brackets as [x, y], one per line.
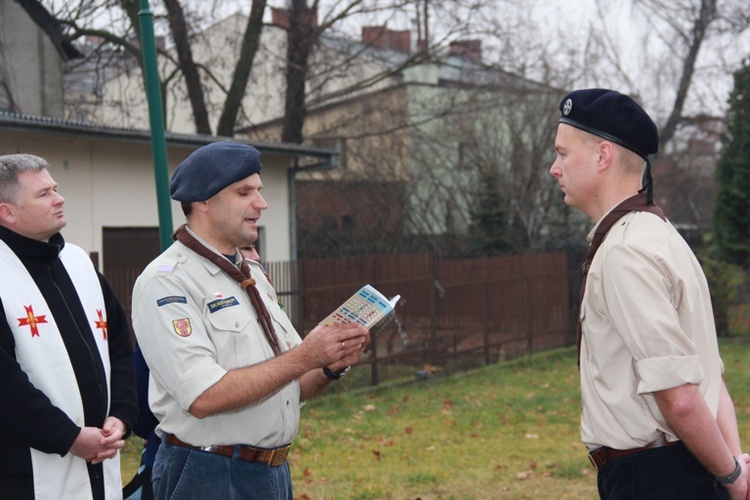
[218, 47]
[110, 183]
[30, 66]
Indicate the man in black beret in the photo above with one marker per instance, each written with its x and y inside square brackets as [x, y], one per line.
[657, 418]
[228, 371]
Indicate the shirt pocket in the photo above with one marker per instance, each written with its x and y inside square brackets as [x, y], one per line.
[228, 333]
[231, 319]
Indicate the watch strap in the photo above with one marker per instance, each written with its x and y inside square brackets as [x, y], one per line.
[731, 478]
[335, 375]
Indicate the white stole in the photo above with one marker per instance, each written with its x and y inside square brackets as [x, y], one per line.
[41, 352]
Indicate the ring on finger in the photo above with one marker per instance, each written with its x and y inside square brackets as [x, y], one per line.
[343, 345]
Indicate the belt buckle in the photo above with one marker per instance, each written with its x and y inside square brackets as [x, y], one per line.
[272, 457]
[278, 456]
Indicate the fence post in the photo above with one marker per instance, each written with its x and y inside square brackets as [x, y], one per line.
[436, 297]
[374, 375]
[486, 310]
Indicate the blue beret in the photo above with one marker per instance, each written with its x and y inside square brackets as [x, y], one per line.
[612, 116]
[211, 168]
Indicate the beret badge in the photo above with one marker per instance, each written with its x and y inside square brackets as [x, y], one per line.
[567, 107]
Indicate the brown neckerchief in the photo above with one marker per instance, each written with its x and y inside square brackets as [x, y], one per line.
[637, 203]
[242, 277]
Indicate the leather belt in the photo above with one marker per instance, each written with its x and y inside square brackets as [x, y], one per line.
[601, 456]
[273, 457]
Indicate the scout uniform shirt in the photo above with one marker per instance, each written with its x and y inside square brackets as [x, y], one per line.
[194, 323]
[647, 326]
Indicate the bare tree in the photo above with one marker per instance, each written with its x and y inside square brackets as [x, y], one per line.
[179, 29]
[242, 70]
[83, 19]
[683, 28]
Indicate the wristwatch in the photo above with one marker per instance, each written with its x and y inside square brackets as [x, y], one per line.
[731, 478]
[336, 375]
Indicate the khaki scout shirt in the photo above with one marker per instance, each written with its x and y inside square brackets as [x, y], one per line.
[647, 326]
[194, 323]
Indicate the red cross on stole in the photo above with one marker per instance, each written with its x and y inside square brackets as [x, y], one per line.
[31, 320]
[101, 323]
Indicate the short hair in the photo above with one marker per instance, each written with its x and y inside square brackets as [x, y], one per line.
[187, 208]
[632, 162]
[10, 167]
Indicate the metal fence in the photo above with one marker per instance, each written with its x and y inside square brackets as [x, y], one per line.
[453, 314]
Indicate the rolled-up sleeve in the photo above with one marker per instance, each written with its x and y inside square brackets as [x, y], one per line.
[661, 373]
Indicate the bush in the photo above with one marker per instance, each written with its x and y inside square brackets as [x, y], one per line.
[724, 280]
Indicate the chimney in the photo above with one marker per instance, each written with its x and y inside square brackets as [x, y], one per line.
[470, 49]
[280, 18]
[160, 42]
[382, 37]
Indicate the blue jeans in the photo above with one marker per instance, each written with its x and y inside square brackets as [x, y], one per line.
[666, 473]
[181, 473]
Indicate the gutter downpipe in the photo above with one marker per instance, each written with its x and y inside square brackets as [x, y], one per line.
[158, 141]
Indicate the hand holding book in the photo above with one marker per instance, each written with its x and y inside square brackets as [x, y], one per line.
[367, 307]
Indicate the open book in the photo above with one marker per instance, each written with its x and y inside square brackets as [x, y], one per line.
[367, 307]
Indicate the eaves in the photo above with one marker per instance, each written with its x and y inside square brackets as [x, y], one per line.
[304, 156]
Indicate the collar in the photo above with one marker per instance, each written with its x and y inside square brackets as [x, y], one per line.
[30, 249]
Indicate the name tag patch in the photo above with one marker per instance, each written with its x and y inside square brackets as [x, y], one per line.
[172, 299]
[218, 305]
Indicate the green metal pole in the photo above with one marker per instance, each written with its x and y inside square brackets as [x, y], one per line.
[158, 142]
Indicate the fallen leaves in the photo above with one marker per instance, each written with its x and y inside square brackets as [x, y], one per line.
[524, 475]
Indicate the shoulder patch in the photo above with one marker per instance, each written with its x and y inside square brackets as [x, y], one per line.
[220, 304]
[172, 299]
[182, 327]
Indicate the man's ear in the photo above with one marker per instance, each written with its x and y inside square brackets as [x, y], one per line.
[7, 214]
[201, 206]
[605, 152]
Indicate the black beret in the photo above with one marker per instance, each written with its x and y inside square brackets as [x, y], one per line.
[612, 116]
[211, 168]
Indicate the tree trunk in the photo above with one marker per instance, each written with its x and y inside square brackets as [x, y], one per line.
[706, 16]
[301, 36]
[250, 43]
[177, 25]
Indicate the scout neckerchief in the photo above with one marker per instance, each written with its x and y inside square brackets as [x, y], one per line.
[241, 276]
[637, 203]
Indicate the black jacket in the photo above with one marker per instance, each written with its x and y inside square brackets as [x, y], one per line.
[27, 417]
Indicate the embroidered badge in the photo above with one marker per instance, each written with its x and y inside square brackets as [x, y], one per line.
[31, 320]
[218, 305]
[182, 327]
[101, 323]
[172, 299]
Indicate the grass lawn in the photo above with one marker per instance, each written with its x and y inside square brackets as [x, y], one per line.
[503, 431]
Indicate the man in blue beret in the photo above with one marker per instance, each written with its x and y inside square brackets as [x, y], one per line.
[228, 371]
[657, 418]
